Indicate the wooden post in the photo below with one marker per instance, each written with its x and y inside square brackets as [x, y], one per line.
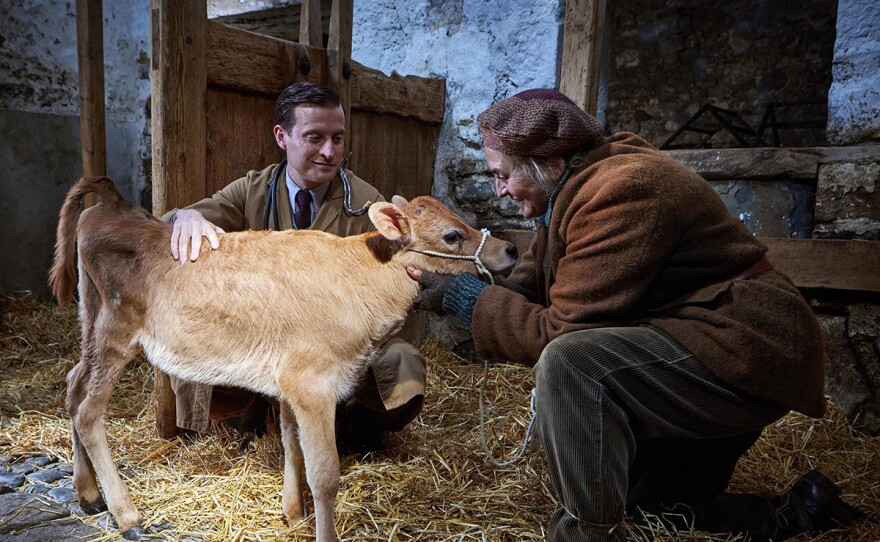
[582, 52]
[179, 87]
[90, 59]
[339, 57]
[310, 24]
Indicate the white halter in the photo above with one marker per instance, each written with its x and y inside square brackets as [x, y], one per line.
[482, 271]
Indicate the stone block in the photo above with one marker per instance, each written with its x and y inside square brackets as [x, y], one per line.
[777, 209]
[848, 191]
[69, 530]
[21, 510]
[843, 381]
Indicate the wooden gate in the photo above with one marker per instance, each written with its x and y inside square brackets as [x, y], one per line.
[213, 94]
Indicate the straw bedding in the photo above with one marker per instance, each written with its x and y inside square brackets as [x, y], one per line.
[432, 483]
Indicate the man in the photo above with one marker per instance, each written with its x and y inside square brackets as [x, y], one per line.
[305, 191]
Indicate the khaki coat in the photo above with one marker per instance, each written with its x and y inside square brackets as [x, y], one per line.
[399, 371]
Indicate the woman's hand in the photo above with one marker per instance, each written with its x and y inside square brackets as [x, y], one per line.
[434, 287]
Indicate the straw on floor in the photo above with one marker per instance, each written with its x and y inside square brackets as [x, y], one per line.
[432, 483]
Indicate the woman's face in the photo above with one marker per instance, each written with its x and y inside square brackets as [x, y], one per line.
[511, 181]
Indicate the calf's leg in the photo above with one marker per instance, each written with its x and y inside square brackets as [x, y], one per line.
[84, 479]
[292, 496]
[315, 412]
[105, 366]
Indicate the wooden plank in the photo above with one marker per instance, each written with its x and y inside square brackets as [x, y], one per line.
[249, 62]
[339, 57]
[417, 97]
[178, 84]
[770, 163]
[310, 24]
[238, 59]
[394, 154]
[239, 129]
[90, 59]
[827, 263]
[835, 264]
[582, 52]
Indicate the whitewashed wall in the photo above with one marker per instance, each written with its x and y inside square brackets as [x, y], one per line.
[39, 122]
[486, 51]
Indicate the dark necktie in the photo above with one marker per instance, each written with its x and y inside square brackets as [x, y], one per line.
[302, 218]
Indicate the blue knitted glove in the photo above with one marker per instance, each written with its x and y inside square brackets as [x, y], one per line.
[434, 287]
[461, 296]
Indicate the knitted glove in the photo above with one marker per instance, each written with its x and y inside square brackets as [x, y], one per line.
[434, 287]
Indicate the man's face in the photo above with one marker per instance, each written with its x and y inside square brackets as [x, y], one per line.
[314, 145]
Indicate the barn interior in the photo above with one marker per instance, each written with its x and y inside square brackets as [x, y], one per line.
[774, 103]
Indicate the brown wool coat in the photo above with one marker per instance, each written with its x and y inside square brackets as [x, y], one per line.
[637, 238]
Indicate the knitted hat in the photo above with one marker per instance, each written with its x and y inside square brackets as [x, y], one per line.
[539, 123]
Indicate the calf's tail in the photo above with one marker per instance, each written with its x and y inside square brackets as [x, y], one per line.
[62, 276]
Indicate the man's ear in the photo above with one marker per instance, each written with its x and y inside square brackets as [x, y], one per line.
[390, 221]
[278, 132]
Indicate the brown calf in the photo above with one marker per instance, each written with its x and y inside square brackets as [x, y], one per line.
[293, 315]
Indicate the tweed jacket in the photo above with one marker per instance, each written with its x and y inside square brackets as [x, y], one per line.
[241, 205]
[636, 238]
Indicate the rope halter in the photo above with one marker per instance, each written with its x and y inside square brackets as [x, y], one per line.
[482, 271]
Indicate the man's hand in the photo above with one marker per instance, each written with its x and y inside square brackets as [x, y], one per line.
[189, 228]
[434, 287]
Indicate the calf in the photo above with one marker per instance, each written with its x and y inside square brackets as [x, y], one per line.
[294, 315]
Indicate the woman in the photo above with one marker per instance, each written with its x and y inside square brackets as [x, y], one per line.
[662, 339]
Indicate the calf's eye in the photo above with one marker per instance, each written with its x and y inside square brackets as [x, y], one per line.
[452, 237]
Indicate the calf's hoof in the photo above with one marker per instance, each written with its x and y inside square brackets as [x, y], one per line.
[135, 533]
[292, 520]
[93, 508]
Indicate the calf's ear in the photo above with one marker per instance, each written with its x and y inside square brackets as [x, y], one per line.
[390, 221]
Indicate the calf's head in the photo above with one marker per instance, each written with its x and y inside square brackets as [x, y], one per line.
[434, 238]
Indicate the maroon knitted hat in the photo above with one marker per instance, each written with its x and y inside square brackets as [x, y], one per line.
[538, 122]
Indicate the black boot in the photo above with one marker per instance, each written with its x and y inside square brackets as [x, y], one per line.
[820, 498]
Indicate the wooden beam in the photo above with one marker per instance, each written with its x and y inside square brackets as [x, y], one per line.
[339, 57]
[406, 96]
[249, 62]
[770, 163]
[310, 24]
[835, 264]
[582, 52]
[827, 263]
[242, 60]
[178, 85]
[90, 59]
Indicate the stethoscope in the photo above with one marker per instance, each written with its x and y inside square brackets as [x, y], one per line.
[272, 199]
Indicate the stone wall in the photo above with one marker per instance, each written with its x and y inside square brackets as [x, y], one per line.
[485, 52]
[39, 123]
[848, 206]
[668, 59]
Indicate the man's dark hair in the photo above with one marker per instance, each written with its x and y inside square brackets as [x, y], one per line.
[302, 93]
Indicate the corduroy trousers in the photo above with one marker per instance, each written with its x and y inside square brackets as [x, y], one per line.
[627, 417]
